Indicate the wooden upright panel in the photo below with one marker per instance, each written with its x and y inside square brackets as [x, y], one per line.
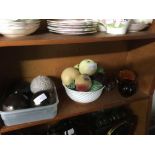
[141, 109]
[142, 60]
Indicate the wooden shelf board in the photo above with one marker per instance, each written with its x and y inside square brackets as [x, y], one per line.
[68, 108]
[50, 38]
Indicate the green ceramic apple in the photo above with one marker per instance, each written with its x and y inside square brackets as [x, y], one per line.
[88, 67]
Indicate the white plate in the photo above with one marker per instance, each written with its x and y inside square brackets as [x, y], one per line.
[73, 33]
[71, 29]
[72, 26]
[70, 22]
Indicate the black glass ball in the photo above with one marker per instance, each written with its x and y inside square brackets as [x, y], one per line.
[15, 102]
[127, 88]
[43, 98]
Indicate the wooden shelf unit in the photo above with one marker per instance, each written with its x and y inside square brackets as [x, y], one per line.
[135, 51]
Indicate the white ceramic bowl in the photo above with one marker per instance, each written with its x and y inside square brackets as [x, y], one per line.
[83, 97]
[144, 21]
[135, 27]
[25, 21]
[18, 31]
[18, 28]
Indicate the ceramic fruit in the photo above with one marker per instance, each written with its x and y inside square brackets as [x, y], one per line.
[15, 102]
[43, 98]
[41, 83]
[88, 67]
[127, 88]
[83, 83]
[68, 75]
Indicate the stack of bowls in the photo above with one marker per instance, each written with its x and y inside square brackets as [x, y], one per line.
[139, 24]
[72, 26]
[18, 27]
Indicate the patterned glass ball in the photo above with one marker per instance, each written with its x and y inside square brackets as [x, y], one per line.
[41, 83]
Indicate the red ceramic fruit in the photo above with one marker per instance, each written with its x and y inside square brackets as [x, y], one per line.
[83, 83]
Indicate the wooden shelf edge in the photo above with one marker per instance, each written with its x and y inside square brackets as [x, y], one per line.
[69, 109]
[53, 39]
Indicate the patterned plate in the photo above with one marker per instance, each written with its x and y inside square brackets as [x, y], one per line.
[71, 29]
[73, 33]
[70, 22]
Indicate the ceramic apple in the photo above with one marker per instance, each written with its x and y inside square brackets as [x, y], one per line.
[68, 75]
[88, 67]
[83, 83]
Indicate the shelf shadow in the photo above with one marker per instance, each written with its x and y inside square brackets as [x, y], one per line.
[58, 51]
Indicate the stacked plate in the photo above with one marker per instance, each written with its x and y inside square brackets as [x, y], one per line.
[18, 27]
[72, 26]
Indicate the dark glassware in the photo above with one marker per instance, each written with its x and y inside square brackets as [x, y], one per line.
[127, 88]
